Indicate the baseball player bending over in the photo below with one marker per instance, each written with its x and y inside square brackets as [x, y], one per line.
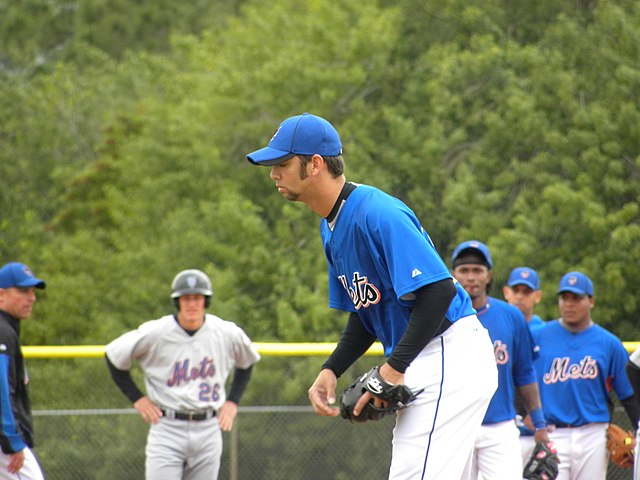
[186, 359]
[497, 447]
[579, 363]
[385, 271]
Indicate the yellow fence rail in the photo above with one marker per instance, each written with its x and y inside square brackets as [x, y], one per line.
[265, 349]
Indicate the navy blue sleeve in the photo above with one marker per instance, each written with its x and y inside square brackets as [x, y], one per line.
[239, 384]
[124, 381]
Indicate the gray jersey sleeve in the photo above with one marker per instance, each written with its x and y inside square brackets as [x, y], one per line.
[129, 346]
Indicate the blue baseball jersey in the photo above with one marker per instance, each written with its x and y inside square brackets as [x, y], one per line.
[513, 348]
[576, 372]
[378, 254]
[535, 322]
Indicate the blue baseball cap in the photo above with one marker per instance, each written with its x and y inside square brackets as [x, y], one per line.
[304, 134]
[18, 275]
[524, 276]
[577, 283]
[473, 246]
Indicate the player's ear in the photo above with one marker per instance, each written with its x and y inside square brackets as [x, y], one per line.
[506, 292]
[317, 163]
[537, 295]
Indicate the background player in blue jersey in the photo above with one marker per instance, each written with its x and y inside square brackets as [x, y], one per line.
[384, 271]
[17, 295]
[497, 448]
[523, 291]
[578, 364]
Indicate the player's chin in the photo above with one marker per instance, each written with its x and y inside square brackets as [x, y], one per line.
[292, 197]
[474, 292]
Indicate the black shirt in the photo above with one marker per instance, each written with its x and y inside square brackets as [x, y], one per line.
[16, 426]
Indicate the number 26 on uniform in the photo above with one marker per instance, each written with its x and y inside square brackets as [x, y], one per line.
[209, 393]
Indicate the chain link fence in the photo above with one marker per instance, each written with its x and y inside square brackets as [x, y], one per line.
[267, 443]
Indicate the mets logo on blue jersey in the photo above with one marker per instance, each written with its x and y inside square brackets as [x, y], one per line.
[501, 352]
[361, 292]
[562, 371]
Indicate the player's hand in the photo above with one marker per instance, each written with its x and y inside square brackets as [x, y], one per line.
[322, 394]
[541, 436]
[226, 415]
[16, 461]
[149, 411]
[389, 374]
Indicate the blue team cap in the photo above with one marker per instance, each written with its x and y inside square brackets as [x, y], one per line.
[18, 275]
[472, 246]
[577, 283]
[524, 276]
[304, 134]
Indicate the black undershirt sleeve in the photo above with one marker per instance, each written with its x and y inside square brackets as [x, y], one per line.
[633, 372]
[354, 342]
[125, 382]
[239, 384]
[427, 318]
[633, 411]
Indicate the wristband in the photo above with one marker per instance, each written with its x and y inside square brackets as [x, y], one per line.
[537, 418]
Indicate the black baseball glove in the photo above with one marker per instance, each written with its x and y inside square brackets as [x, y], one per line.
[396, 397]
[543, 464]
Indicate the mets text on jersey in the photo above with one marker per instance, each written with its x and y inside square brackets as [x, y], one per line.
[182, 372]
[363, 293]
[562, 371]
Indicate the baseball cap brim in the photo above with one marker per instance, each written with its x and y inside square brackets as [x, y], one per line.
[34, 282]
[269, 156]
[522, 282]
[577, 291]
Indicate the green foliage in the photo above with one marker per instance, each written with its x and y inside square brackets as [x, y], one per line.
[123, 150]
[37, 33]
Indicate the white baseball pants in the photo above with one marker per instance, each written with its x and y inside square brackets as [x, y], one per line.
[434, 436]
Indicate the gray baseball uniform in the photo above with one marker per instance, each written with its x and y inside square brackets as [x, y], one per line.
[184, 374]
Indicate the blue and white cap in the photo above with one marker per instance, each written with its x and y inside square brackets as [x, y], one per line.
[576, 282]
[524, 276]
[18, 275]
[304, 134]
[472, 246]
